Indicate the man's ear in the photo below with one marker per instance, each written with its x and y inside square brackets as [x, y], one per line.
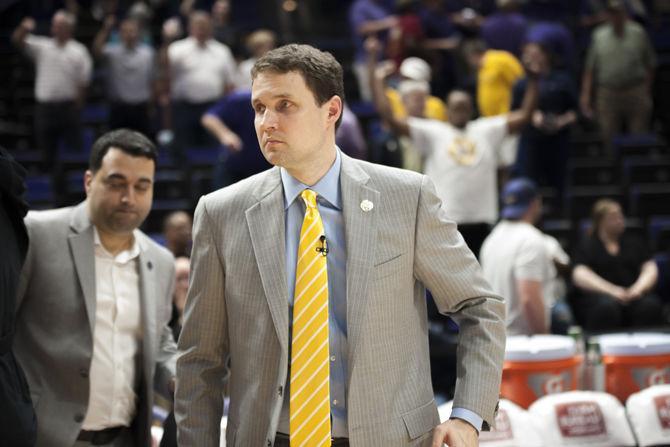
[335, 108]
[88, 178]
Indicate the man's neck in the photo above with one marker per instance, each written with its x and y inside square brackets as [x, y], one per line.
[115, 243]
[312, 173]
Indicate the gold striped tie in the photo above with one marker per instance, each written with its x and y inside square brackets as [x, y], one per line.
[310, 372]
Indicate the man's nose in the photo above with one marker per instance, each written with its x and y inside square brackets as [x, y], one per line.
[268, 119]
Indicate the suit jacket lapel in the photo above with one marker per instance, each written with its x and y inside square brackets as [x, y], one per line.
[361, 239]
[82, 252]
[266, 227]
[147, 268]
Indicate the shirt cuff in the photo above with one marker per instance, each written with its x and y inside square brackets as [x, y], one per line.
[468, 416]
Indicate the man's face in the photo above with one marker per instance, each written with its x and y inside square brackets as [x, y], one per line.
[200, 28]
[120, 192]
[60, 28]
[179, 229]
[292, 129]
[414, 102]
[130, 32]
[459, 105]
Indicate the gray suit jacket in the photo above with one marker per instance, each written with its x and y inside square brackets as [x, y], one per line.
[237, 310]
[55, 317]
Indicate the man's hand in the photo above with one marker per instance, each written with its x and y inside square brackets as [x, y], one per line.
[620, 294]
[28, 24]
[455, 433]
[231, 140]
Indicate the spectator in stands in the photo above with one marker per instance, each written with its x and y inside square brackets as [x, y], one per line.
[461, 155]
[201, 71]
[407, 37]
[620, 67]
[63, 71]
[557, 40]
[497, 71]
[177, 232]
[437, 26]
[258, 43]
[368, 18]
[18, 426]
[505, 29]
[555, 288]
[231, 122]
[544, 144]
[182, 266]
[412, 98]
[90, 277]
[615, 276]
[515, 261]
[424, 106]
[223, 29]
[469, 15]
[130, 75]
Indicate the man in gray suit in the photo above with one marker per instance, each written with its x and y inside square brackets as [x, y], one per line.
[93, 305]
[387, 239]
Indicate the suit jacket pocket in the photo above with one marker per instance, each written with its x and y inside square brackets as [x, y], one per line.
[388, 267]
[421, 420]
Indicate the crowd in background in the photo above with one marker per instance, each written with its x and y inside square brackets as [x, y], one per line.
[471, 92]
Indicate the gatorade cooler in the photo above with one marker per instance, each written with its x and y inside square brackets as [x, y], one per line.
[538, 365]
[634, 362]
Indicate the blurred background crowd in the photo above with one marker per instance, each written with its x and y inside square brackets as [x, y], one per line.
[559, 108]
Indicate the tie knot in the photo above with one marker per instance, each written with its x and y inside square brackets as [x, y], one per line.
[309, 197]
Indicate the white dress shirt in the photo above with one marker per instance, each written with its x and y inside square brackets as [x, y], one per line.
[131, 72]
[116, 337]
[199, 72]
[60, 70]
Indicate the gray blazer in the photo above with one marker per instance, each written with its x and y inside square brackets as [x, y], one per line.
[55, 317]
[237, 311]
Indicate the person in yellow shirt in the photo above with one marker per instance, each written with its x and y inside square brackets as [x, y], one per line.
[497, 72]
[418, 70]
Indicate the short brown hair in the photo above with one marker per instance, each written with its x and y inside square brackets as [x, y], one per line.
[320, 70]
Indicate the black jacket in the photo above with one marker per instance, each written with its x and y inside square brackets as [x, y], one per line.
[18, 425]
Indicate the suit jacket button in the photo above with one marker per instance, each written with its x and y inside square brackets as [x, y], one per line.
[84, 373]
[280, 390]
[78, 417]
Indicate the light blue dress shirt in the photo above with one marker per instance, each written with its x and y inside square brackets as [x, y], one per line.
[329, 202]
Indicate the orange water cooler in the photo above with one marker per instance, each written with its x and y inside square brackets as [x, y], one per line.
[634, 361]
[538, 365]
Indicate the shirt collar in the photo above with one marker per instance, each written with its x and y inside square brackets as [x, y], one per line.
[328, 187]
[122, 257]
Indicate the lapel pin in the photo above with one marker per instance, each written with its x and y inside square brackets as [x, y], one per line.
[366, 205]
